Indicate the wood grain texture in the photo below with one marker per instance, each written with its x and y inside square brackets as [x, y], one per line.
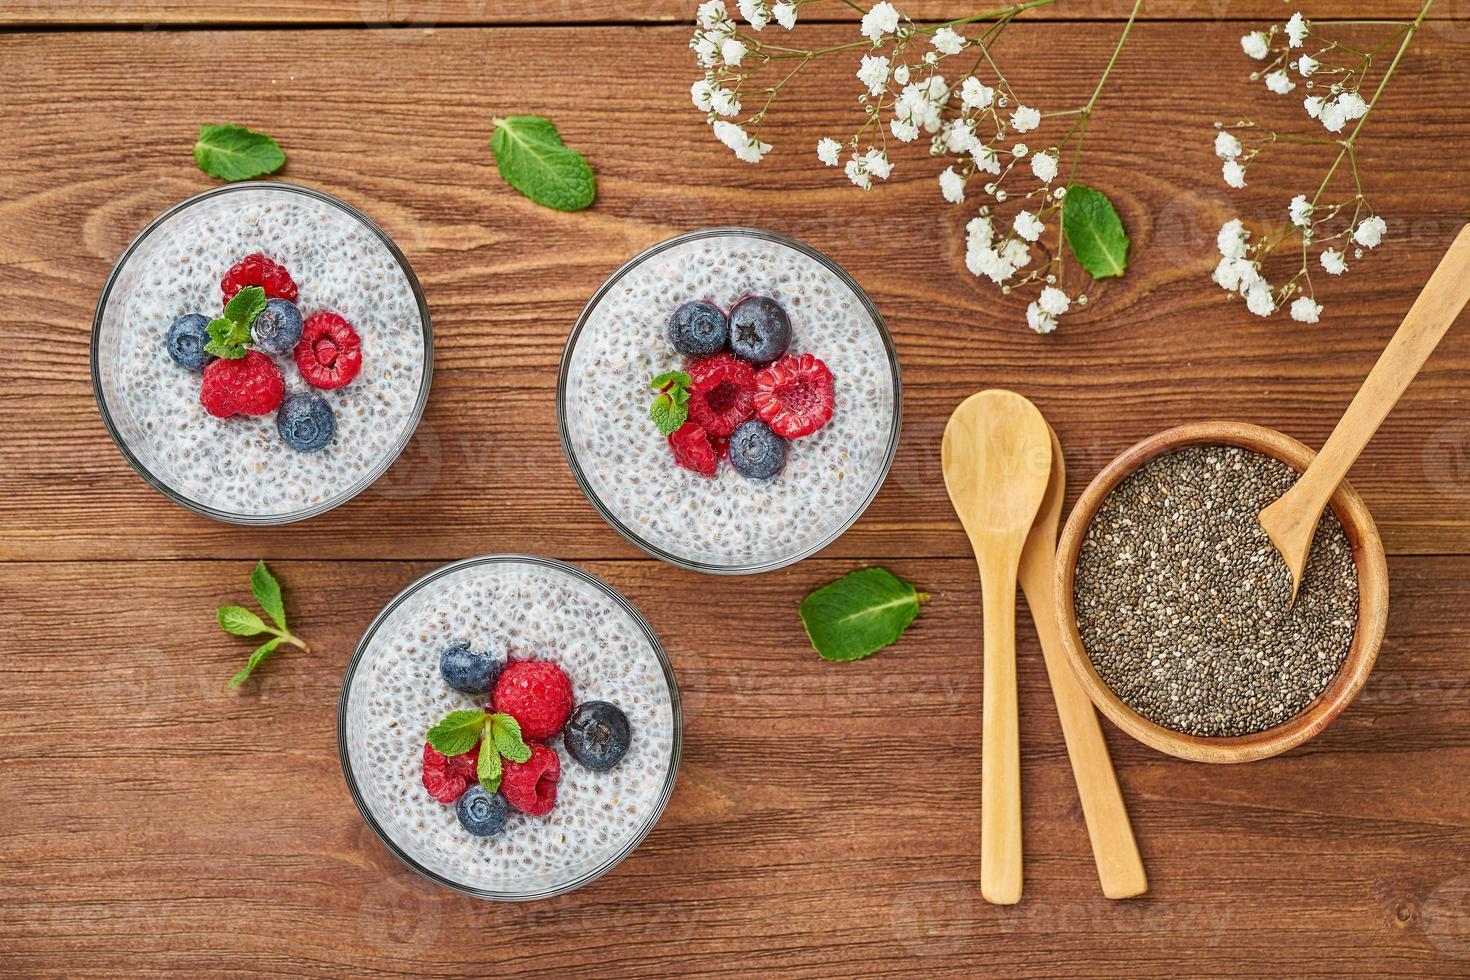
[184, 827]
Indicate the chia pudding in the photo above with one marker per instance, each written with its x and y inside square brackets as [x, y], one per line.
[241, 467]
[1184, 605]
[521, 609]
[729, 521]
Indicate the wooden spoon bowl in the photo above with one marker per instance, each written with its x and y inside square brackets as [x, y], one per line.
[1372, 569]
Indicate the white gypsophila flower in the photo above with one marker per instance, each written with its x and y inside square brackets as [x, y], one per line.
[922, 103]
[1028, 226]
[952, 186]
[985, 158]
[706, 51]
[1370, 232]
[1230, 273]
[1258, 299]
[1300, 211]
[1280, 82]
[785, 14]
[901, 74]
[1044, 166]
[1052, 300]
[755, 12]
[873, 72]
[1307, 65]
[975, 93]
[904, 132]
[700, 93]
[947, 41]
[1016, 253]
[1025, 119]
[1313, 105]
[1040, 320]
[1255, 45]
[1333, 262]
[1352, 104]
[1333, 117]
[1227, 145]
[979, 230]
[828, 150]
[1020, 150]
[882, 19]
[711, 13]
[1233, 173]
[857, 172]
[746, 148]
[958, 135]
[1304, 309]
[733, 50]
[1232, 239]
[724, 102]
[878, 164]
[1296, 29]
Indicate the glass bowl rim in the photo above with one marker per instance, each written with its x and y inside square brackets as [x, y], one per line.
[675, 751]
[868, 306]
[377, 470]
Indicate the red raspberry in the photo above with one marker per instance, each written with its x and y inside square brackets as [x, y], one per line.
[537, 694]
[794, 396]
[447, 777]
[721, 446]
[329, 354]
[530, 786]
[257, 270]
[249, 385]
[722, 393]
[695, 450]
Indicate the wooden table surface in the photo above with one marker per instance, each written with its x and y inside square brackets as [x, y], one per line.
[826, 819]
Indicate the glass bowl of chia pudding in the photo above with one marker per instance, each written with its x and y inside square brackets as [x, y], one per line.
[768, 488]
[520, 612]
[339, 276]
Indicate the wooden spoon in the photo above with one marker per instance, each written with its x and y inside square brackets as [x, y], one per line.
[1292, 520]
[997, 459]
[1114, 850]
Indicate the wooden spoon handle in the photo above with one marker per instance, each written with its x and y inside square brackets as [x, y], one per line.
[1000, 748]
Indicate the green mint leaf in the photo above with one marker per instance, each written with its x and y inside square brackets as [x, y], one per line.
[261, 652]
[268, 593]
[489, 770]
[457, 733]
[234, 153]
[1095, 232]
[533, 159]
[225, 339]
[860, 613]
[239, 621]
[505, 733]
[670, 408]
[245, 306]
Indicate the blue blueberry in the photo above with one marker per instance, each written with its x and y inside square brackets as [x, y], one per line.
[482, 813]
[755, 451]
[698, 329]
[186, 339]
[466, 670]
[597, 735]
[277, 328]
[760, 331]
[306, 422]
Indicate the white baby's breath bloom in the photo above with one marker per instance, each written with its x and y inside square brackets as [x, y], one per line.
[979, 231]
[706, 50]
[756, 13]
[1044, 166]
[878, 164]
[922, 103]
[1306, 65]
[1342, 110]
[1052, 300]
[724, 102]
[1025, 119]
[959, 135]
[1227, 145]
[828, 150]
[733, 50]
[985, 158]
[1313, 105]
[1255, 45]
[904, 132]
[1370, 232]
[700, 93]
[1296, 29]
[746, 147]
[1280, 82]
[1300, 211]
[1020, 150]
[1352, 105]
[711, 13]
[901, 74]
[1016, 253]
[873, 72]
[882, 19]
[1333, 262]
[857, 172]
[1040, 320]
[1304, 309]
[1028, 226]
[952, 185]
[1233, 173]
[1231, 273]
[975, 93]
[1232, 239]
[785, 14]
[1259, 300]
[947, 41]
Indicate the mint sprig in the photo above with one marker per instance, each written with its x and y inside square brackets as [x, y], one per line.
[239, 621]
[532, 158]
[228, 334]
[498, 735]
[235, 153]
[670, 408]
[860, 613]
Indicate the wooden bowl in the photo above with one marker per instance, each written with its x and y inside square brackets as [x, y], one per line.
[1372, 599]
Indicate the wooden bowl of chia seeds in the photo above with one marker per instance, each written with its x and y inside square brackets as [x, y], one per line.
[1174, 606]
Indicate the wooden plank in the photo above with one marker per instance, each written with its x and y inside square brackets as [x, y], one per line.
[825, 821]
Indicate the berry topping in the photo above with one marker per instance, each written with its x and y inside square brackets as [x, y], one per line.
[756, 452]
[530, 786]
[694, 450]
[445, 777]
[186, 339]
[257, 270]
[597, 735]
[698, 329]
[466, 670]
[277, 328]
[329, 354]
[794, 396]
[306, 422]
[249, 385]
[482, 813]
[760, 331]
[722, 393]
[537, 695]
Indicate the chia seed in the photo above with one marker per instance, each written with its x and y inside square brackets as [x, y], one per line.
[1182, 600]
